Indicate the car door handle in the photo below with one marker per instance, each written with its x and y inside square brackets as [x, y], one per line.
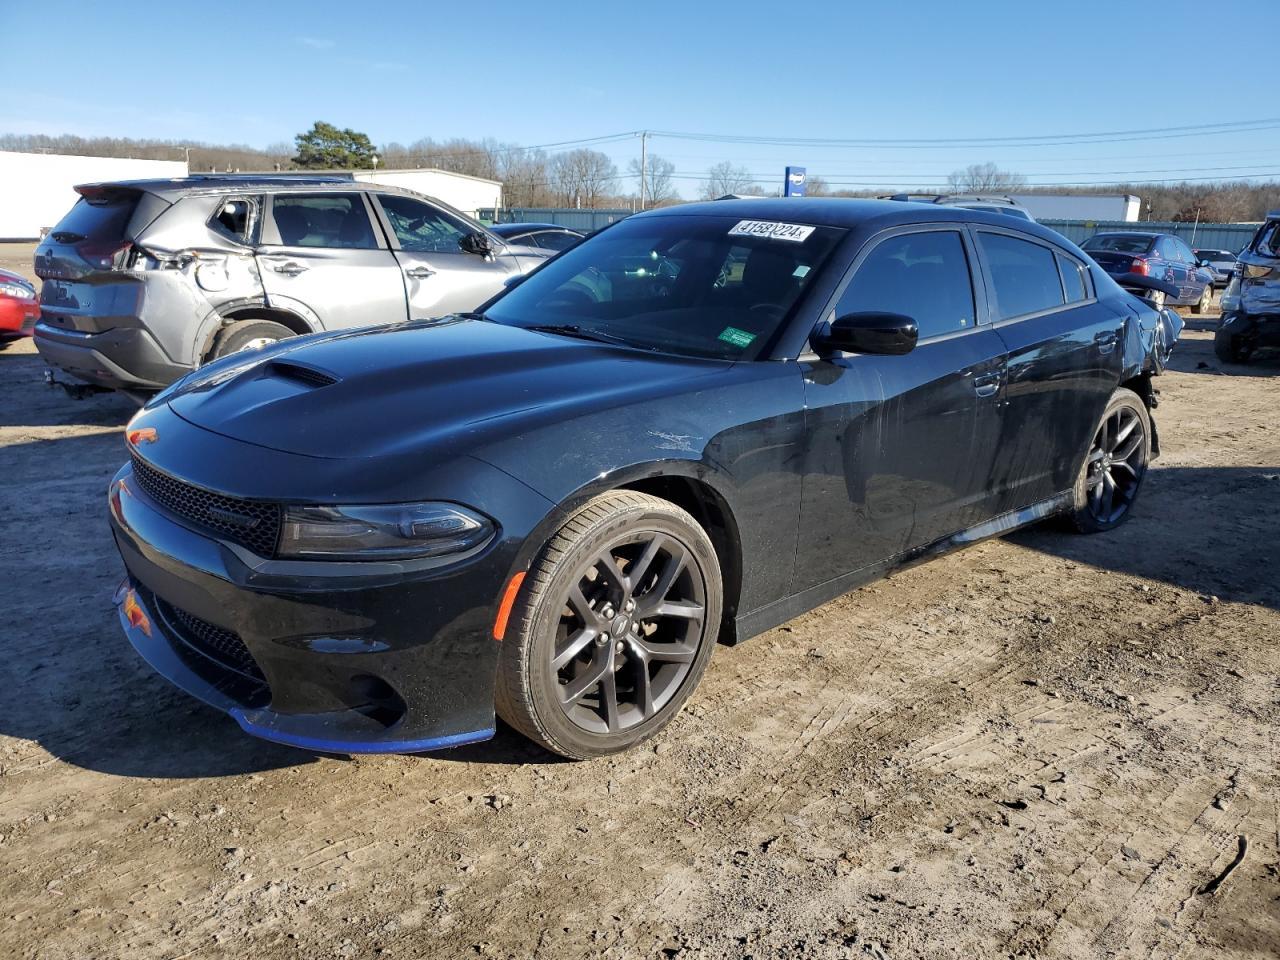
[1106, 341]
[986, 386]
[419, 273]
[290, 269]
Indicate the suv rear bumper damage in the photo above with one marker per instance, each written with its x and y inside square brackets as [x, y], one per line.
[121, 358]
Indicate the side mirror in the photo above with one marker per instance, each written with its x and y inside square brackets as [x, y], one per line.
[477, 243]
[890, 334]
[1203, 263]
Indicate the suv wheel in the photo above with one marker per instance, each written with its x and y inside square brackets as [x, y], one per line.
[1229, 348]
[613, 628]
[247, 335]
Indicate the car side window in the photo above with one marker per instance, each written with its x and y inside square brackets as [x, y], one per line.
[421, 228]
[235, 217]
[1074, 283]
[336, 220]
[1024, 274]
[922, 275]
[555, 240]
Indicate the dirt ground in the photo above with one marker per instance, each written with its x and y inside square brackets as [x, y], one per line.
[1049, 746]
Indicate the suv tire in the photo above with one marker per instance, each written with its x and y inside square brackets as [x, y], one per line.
[249, 334]
[1228, 347]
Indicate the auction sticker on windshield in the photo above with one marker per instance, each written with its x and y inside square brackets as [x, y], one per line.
[795, 232]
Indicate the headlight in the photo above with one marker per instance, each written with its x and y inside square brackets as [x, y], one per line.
[17, 291]
[406, 531]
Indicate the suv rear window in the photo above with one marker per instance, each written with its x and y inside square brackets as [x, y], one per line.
[1269, 240]
[103, 217]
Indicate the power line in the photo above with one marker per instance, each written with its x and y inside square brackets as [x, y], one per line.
[1038, 140]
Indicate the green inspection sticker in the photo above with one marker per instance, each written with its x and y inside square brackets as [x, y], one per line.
[739, 338]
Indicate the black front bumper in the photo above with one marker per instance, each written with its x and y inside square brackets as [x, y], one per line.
[352, 658]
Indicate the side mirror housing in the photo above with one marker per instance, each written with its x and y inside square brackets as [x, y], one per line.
[887, 334]
[477, 243]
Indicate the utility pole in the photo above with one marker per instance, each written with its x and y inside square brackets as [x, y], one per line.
[644, 137]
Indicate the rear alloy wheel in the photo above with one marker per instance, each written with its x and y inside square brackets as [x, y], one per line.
[247, 335]
[613, 629]
[1115, 466]
[1206, 300]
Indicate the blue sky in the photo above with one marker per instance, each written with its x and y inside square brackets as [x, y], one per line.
[546, 72]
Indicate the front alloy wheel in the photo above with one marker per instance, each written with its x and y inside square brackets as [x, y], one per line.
[1115, 465]
[613, 629]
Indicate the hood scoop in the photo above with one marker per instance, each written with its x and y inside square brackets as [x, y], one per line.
[299, 372]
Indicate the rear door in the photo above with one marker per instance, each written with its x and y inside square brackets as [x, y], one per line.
[323, 256]
[439, 277]
[1064, 362]
[901, 449]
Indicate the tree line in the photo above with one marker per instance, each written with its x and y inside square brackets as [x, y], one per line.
[583, 177]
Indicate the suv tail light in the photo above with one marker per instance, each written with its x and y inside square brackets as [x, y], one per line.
[105, 254]
[1139, 266]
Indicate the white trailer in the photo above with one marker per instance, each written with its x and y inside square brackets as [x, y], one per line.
[39, 187]
[1067, 206]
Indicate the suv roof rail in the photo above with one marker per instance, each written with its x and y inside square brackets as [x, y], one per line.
[952, 197]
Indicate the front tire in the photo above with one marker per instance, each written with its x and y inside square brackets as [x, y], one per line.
[613, 627]
[1114, 466]
[1205, 303]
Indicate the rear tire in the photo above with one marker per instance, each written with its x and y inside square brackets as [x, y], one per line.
[613, 627]
[1114, 465]
[250, 334]
[1228, 348]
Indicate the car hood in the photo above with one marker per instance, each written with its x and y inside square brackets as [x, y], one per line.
[440, 387]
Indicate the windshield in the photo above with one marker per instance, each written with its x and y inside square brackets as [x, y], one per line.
[717, 287]
[1212, 255]
[1121, 243]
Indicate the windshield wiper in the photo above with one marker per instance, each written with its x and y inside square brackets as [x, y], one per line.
[573, 330]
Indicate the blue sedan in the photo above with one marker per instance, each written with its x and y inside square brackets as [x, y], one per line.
[1159, 255]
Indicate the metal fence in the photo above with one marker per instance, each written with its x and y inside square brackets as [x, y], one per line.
[1202, 236]
[585, 221]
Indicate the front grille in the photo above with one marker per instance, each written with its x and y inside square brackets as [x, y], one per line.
[250, 523]
[214, 642]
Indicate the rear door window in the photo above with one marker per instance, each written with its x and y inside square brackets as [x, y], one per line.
[335, 220]
[922, 275]
[1024, 275]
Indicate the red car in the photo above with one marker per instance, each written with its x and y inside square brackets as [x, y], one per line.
[19, 307]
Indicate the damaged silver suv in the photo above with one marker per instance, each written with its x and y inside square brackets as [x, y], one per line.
[145, 280]
[1251, 301]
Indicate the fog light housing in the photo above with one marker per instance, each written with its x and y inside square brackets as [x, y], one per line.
[400, 531]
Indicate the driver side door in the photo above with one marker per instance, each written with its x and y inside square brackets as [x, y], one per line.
[439, 277]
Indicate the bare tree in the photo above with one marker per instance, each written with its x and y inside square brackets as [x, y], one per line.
[816, 187]
[725, 178]
[984, 178]
[658, 188]
[582, 177]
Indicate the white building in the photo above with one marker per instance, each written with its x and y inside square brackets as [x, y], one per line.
[468, 194]
[38, 187]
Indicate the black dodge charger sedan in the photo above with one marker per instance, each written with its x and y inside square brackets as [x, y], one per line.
[691, 427]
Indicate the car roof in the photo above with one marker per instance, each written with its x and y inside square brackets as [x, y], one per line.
[850, 213]
[205, 184]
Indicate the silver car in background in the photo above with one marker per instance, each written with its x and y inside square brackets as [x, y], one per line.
[145, 280]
